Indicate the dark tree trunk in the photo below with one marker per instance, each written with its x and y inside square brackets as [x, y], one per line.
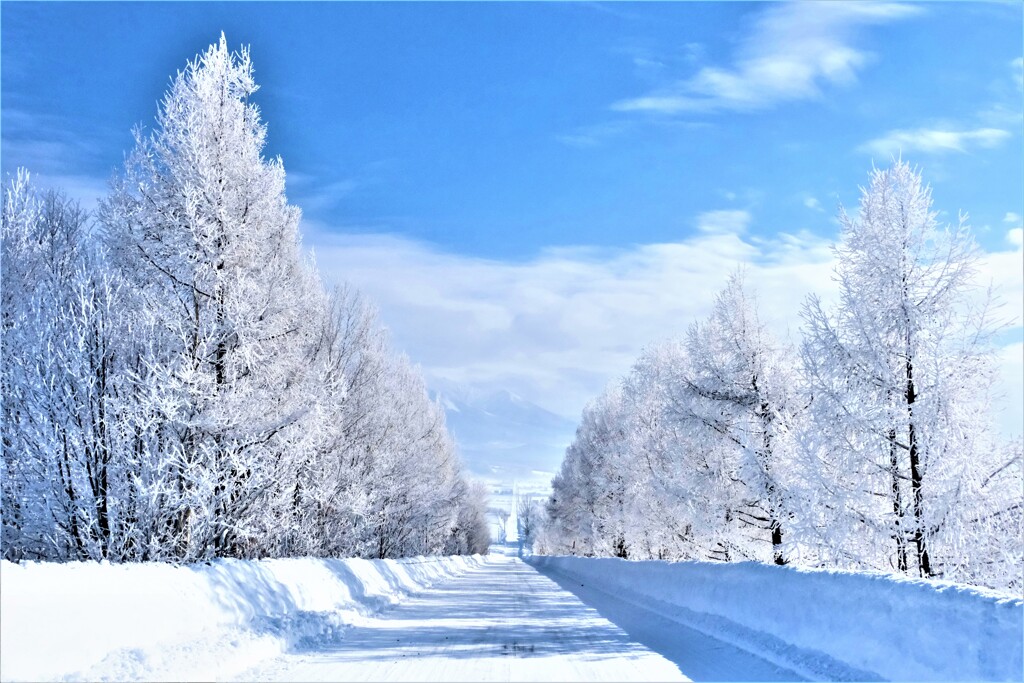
[916, 476]
[777, 543]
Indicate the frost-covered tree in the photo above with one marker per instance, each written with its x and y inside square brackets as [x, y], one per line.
[63, 345]
[201, 222]
[382, 478]
[900, 374]
[471, 534]
[529, 514]
[741, 383]
[183, 387]
[874, 452]
[588, 506]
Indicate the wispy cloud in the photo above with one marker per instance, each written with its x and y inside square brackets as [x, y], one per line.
[792, 52]
[934, 141]
[594, 135]
[723, 222]
[557, 327]
[316, 197]
[989, 128]
[56, 157]
[813, 204]
[43, 143]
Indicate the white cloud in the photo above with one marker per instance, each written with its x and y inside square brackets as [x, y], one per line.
[1011, 217]
[813, 204]
[44, 143]
[646, 63]
[557, 327]
[1016, 237]
[1005, 271]
[315, 198]
[934, 141]
[793, 50]
[724, 222]
[86, 190]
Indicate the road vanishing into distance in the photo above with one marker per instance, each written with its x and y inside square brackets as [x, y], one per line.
[505, 621]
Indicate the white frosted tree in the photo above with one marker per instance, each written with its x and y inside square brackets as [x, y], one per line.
[471, 534]
[877, 451]
[900, 374]
[63, 342]
[689, 482]
[741, 382]
[586, 506]
[184, 388]
[200, 221]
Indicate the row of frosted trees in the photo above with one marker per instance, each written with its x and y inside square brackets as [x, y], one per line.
[178, 385]
[868, 445]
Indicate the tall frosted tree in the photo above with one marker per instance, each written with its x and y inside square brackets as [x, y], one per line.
[741, 383]
[900, 371]
[201, 220]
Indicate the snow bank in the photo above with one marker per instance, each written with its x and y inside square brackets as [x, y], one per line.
[826, 624]
[94, 621]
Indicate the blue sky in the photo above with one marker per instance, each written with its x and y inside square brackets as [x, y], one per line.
[557, 184]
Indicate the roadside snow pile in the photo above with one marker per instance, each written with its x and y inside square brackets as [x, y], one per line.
[95, 621]
[825, 624]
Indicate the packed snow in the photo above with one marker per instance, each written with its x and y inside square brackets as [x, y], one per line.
[500, 621]
[824, 624]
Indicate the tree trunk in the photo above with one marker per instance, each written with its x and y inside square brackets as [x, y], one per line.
[897, 503]
[775, 524]
[916, 476]
[777, 543]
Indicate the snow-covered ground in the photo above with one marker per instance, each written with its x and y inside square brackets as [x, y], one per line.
[819, 624]
[500, 621]
[151, 621]
[495, 618]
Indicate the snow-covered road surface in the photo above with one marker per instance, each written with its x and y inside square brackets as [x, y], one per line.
[504, 621]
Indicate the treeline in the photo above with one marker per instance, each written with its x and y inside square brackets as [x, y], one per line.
[867, 445]
[178, 385]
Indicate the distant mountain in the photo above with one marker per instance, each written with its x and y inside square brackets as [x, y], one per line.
[502, 437]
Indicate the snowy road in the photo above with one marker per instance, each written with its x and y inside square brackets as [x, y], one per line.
[504, 621]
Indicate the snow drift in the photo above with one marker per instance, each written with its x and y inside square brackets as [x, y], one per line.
[825, 624]
[92, 621]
